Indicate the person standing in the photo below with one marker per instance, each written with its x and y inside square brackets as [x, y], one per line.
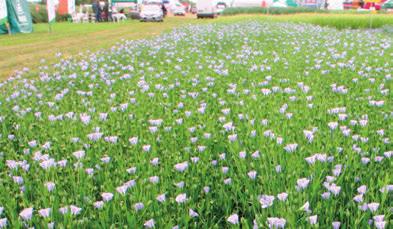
[97, 10]
[164, 10]
[106, 11]
[110, 11]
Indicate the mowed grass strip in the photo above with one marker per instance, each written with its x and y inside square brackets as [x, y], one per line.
[26, 50]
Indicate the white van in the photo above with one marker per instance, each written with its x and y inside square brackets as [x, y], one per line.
[206, 9]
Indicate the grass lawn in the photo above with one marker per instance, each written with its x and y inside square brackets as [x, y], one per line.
[26, 50]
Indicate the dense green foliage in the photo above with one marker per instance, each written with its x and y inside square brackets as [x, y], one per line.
[272, 10]
[338, 20]
[40, 14]
[290, 10]
[343, 21]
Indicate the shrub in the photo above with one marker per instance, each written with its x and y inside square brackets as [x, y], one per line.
[343, 21]
[40, 15]
[289, 10]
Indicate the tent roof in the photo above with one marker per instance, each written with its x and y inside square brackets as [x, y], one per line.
[134, 1]
[388, 5]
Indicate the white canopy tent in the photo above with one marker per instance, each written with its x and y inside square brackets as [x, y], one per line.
[246, 3]
[335, 4]
[279, 4]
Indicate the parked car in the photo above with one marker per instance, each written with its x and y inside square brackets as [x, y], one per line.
[151, 12]
[206, 9]
[221, 7]
[134, 15]
[179, 11]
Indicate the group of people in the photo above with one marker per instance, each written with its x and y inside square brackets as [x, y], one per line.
[102, 12]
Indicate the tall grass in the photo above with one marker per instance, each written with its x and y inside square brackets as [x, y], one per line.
[272, 10]
[290, 10]
[339, 21]
[344, 21]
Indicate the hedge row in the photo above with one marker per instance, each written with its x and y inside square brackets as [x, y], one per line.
[272, 10]
[40, 15]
